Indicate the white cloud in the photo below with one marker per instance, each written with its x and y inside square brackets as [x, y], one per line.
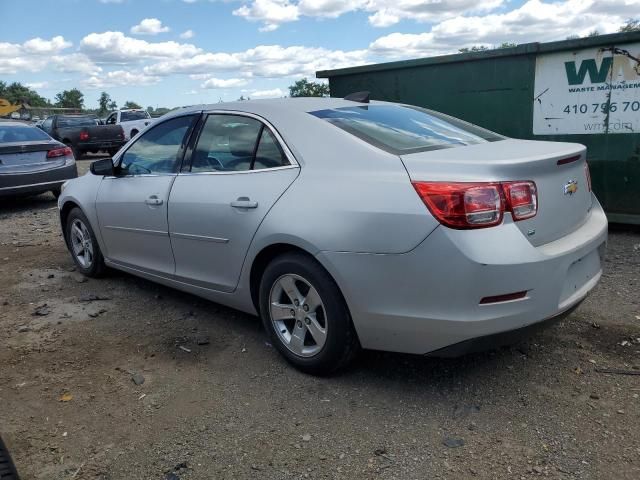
[223, 82]
[187, 34]
[149, 26]
[116, 47]
[274, 93]
[534, 21]
[384, 13]
[272, 13]
[40, 46]
[37, 85]
[118, 78]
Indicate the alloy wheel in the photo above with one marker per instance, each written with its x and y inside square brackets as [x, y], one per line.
[81, 243]
[298, 315]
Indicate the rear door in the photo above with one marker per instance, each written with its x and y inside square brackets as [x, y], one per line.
[239, 168]
[132, 206]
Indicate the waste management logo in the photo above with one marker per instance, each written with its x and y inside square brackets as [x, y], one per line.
[591, 91]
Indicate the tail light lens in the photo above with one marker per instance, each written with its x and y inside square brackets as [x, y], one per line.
[84, 135]
[60, 152]
[522, 199]
[478, 205]
[587, 172]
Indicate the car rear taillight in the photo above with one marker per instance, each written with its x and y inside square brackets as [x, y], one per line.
[587, 172]
[522, 199]
[60, 152]
[478, 205]
[84, 135]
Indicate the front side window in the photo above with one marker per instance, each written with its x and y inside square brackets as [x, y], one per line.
[236, 143]
[65, 122]
[158, 150]
[401, 129]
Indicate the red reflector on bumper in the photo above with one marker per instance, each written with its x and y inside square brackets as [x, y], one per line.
[564, 161]
[503, 298]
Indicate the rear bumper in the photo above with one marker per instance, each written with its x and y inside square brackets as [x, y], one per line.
[429, 298]
[36, 182]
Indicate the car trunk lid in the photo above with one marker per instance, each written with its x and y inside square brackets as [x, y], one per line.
[24, 157]
[558, 170]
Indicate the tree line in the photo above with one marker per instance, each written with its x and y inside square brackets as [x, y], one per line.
[18, 93]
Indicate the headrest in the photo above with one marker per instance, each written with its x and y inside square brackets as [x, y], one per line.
[242, 140]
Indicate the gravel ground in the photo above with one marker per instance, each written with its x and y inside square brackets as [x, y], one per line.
[119, 378]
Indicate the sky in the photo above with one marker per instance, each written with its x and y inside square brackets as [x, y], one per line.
[178, 52]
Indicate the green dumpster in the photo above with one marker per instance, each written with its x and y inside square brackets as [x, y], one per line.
[585, 90]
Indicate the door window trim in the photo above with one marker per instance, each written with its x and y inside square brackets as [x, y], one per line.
[186, 161]
[197, 115]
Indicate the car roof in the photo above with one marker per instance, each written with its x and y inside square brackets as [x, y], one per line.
[275, 105]
[12, 123]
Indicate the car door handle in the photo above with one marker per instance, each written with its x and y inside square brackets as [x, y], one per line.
[244, 202]
[153, 200]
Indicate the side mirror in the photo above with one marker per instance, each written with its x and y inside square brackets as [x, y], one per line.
[102, 167]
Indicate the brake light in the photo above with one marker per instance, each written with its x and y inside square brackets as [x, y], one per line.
[478, 205]
[587, 172]
[60, 152]
[522, 199]
[84, 135]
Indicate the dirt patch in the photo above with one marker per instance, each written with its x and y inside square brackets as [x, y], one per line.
[120, 378]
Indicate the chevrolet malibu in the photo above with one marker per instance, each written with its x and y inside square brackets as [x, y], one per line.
[346, 224]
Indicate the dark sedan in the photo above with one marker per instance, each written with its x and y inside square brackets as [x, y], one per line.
[31, 162]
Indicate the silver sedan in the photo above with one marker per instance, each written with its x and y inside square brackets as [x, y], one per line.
[346, 224]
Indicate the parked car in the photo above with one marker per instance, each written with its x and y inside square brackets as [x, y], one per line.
[347, 224]
[31, 162]
[132, 121]
[83, 133]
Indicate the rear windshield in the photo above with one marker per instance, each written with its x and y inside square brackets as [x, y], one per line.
[129, 116]
[77, 122]
[21, 133]
[403, 129]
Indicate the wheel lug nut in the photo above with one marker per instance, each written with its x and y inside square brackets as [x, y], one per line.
[299, 323]
[296, 303]
[293, 312]
[307, 321]
[305, 307]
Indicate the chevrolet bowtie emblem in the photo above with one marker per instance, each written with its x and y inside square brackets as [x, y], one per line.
[570, 187]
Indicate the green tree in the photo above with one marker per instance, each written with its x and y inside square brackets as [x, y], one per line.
[508, 45]
[632, 25]
[73, 98]
[130, 104]
[104, 101]
[593, 33]
[305, 88]
[18, 93]
[475, 48]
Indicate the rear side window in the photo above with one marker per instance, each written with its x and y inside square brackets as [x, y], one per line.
[236, 143]
[19, 133]
[401, 129]
[129, 116]
[64, 122]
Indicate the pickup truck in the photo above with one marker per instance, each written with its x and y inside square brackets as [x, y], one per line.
[84, 134]
[132, 121]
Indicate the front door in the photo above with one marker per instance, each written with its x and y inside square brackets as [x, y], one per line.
[238, 171]
[132, 206]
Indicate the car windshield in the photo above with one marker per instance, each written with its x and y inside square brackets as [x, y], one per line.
[403, 129]
[77, 121]
[20, 133]
[137, 115]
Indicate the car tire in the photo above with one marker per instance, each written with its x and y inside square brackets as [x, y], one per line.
[56, 192]
[82, 244]
[7, 468]
[316, 334]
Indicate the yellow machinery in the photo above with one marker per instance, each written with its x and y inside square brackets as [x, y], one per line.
[7, 108]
